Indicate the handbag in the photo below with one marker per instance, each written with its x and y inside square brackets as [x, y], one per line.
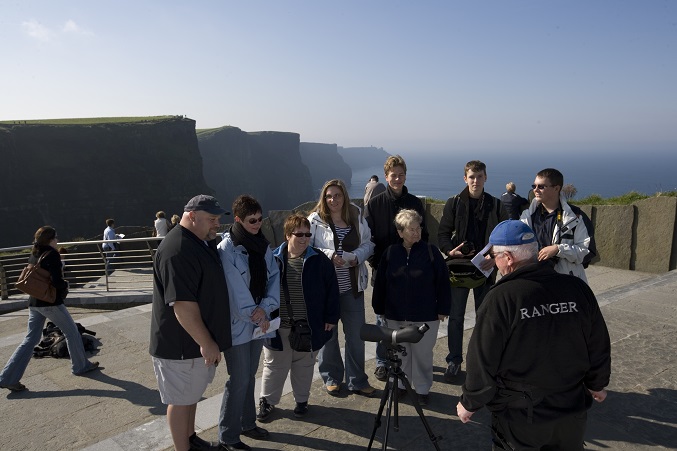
[300, 335]
[464, 274]
[37, 282]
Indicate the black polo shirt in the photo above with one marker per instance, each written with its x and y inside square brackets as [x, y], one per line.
[187, 269]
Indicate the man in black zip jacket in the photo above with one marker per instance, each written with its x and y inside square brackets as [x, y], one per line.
[540, 351]
[380, 213]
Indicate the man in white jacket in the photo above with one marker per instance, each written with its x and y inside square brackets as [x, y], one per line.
[560, 231]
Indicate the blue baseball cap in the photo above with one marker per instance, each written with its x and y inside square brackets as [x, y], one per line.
[511, 233]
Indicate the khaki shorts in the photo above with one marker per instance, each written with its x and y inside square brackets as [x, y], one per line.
[182, 382]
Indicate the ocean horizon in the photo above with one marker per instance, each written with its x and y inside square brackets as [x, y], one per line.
[441, 177]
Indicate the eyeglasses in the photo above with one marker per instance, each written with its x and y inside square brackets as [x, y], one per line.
[302, 234]
[541, 187]
[334, 197]
[255, 220]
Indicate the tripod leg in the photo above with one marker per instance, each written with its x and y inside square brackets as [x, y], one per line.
[414, 401]
[377, 421]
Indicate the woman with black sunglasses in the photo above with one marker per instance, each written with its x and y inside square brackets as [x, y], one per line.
[254, 294]
[309, 292]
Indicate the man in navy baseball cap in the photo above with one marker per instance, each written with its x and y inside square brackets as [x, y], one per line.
[203, 202]
[540, 351]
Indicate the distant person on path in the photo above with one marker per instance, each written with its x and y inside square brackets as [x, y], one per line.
[412, 289]
[309, 291]
[339, 227]
[539, 353]
[560, 230]
[162, 224]
[380, 213]
[373, 188]
[467, 221]
[190, 320]
[514, 203]
[253, 279]
[45, 244]
[110, 247]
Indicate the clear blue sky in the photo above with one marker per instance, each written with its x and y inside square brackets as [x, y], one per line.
[587, 75]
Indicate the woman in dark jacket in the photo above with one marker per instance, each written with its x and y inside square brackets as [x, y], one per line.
[307, 283]
[38, 311]
[412, 288]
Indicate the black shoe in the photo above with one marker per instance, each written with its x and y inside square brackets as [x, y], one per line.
[381, 373]
[452, 372]
[198, 444]
[423, 400]
[265, 409]
[256, 433]
[235, 446]
[301, 409]
[14, 387]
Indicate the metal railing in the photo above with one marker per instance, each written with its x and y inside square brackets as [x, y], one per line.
[85, 265]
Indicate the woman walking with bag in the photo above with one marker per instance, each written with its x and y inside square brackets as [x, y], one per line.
[38, 311]
[309, 291]
[341, 232]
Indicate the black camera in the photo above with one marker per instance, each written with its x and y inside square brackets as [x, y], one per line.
[467, 248]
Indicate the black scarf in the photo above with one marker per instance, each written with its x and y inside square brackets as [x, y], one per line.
[256, 246]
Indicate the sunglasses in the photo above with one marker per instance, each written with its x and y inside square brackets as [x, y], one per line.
[302, 234]
[254, 220]
[541, 187]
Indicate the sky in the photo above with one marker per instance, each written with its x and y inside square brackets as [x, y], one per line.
[428, 76]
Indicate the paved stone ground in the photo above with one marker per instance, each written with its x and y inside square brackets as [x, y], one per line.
[119, 408]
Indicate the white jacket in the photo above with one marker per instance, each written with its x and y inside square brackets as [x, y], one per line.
[572, 248]
[323, 239]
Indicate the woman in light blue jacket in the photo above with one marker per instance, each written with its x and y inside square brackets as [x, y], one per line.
[253, 279]
[341, 232]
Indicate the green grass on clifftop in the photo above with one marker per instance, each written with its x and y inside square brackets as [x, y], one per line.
[595, 199]
[90, 120]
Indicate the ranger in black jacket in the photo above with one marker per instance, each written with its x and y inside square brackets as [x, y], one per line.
[540, 351]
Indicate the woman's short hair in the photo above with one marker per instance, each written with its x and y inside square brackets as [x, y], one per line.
[510, 187]
[295, 221]
[322, 208]
[43, 236]
[245, 205]
[406, 218]
[176, 219]
[160, 214]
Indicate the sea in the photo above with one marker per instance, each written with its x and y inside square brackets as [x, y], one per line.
[606, 175]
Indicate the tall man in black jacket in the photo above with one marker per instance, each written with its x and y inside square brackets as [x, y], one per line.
[468, 218]
[540, 351]
[380, 213]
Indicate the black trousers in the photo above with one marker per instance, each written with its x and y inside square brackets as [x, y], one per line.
[564, 434]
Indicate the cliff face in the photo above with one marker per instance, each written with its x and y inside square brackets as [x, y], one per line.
[325, 164]
[266, 165]
[363, 157]
[75, 176]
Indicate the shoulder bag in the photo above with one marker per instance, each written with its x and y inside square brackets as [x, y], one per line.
[37, 282]
[300, 337]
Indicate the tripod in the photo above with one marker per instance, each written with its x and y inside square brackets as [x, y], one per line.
[391, 395]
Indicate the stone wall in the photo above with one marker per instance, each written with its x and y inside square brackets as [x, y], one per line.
[641, 236]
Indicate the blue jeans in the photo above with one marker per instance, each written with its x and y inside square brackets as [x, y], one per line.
[381, 357]
[330, 363]
[58, 314]
[459, 300]
[238, 407]
[109, 255]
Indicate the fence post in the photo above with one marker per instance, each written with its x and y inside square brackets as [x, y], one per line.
[4, 290]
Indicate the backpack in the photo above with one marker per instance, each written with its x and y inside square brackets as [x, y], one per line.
[592, 246]
[53, 343]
